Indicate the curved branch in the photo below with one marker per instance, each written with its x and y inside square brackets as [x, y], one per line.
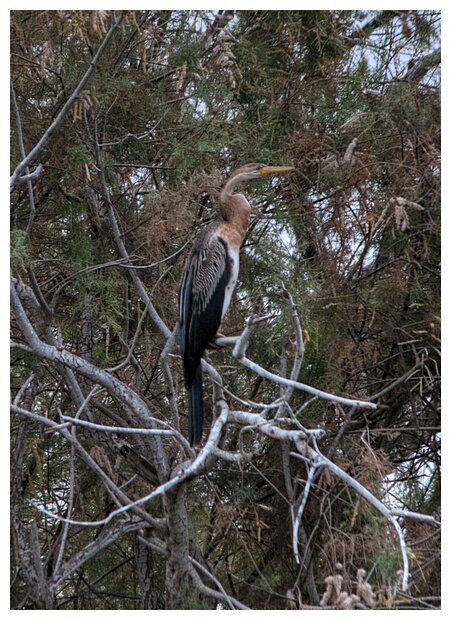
[321, 461]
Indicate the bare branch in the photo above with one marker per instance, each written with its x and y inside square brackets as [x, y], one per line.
[126, 430]
[321, 461]
[31, 175]
[297, 522]
[168, 376]
[27, 177]
[238, 353]
[70, 506]
[299, 354]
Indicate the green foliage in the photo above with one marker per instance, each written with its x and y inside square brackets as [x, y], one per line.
[196, 601]
[387, 565]
[19, 252]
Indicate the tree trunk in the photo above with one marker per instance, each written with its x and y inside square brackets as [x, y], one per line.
[177, 566]
[146, 573]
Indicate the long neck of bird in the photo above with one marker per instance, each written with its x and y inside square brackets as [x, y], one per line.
[234, 208]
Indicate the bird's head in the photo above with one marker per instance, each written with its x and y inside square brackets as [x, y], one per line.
[228, 200]
[255, 171]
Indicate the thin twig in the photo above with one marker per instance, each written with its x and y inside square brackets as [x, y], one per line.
[122, 429]
[167, 374]
[70, 505]
[221, 595]
[27, 177]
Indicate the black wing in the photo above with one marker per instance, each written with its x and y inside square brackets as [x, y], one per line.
[201, 299]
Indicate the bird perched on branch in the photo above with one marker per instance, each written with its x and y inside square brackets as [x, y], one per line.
[208, 281]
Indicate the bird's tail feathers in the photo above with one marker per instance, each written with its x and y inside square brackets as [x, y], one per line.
[196, 408]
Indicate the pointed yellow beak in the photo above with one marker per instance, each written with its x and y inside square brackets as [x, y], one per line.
[274, 169]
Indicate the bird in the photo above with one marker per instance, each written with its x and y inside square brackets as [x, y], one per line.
[209, 278]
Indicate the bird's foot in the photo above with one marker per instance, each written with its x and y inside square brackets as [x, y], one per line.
[213, 345]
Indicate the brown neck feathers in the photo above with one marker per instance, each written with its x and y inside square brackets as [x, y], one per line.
[236, 210]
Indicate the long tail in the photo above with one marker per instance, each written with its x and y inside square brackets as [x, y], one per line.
[196, 408]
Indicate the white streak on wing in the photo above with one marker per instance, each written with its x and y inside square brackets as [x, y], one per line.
[209, 266]
[234, 258]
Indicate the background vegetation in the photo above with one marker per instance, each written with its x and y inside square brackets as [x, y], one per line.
[176, 101]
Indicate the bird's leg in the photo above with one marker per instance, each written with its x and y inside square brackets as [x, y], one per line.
[213, 345]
